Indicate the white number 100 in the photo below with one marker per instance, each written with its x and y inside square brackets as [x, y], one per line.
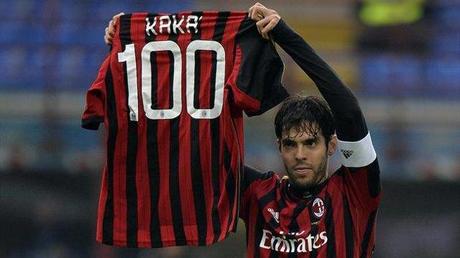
[129, 57]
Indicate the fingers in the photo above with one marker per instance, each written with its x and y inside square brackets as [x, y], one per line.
[271, 24]
[116, 17]
[256, 12]
[109, 33]
[110, 29]
[107, 40]
[261, 25]
[267, 24]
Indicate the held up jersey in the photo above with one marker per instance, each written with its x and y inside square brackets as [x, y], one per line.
[171, 96]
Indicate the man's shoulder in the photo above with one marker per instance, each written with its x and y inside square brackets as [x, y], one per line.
[260, 180]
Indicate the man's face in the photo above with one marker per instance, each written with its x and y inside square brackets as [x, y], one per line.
[305, 156]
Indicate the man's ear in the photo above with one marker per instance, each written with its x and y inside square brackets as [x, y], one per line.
[279, 143]
[332, 145]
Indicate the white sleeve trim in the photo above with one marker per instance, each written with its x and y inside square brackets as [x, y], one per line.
[357, 154]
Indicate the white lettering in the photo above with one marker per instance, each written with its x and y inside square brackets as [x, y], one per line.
[172, 24]
[323, 236]
[291, 245]
[192, 22]
[292, 241]
[280, 244]
[177, 25]
[301, 246]
[150, 27]
[265, 238]
[310, 243]
[165, 22]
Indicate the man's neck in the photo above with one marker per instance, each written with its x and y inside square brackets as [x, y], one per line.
[306, 192]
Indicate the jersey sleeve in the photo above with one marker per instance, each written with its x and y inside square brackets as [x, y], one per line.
[251, 179]
[94, 112]
[256, 77]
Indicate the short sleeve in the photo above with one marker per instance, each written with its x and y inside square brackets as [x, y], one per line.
[94, 112]
[258, 69]
[252, 179]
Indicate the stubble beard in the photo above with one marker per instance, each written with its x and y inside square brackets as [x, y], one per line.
[318, 177]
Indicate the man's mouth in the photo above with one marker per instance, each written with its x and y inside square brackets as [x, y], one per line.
[302, 170]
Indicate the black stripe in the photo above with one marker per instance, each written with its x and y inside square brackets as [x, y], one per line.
[131, 192]
[313, 232]
[294, 225]
[131, 152]
[268, 197]
[367, 234]
[215, 136]
[197, 176]
[258, 235]
[174, 191]
[373, 179]
[274, 254]
[154, 179]
[221, 22]
[230, 182]
[107, 228]
[348, 222]
[330, 230]
[152, 154]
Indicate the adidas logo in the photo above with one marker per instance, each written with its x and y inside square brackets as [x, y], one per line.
[347, 153]
[275, 214]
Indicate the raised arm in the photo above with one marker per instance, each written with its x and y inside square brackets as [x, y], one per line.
[351, 125]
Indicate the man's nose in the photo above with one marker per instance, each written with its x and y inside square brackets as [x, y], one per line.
[301, 153]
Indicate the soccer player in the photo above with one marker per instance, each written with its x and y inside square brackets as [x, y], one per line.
[309, 213]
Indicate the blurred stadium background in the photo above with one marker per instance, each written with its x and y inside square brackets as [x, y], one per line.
[401, 57]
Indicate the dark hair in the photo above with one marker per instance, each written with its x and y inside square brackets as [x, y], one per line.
[306, 114]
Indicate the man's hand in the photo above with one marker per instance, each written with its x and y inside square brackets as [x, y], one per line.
[110, 29]
[266, 18]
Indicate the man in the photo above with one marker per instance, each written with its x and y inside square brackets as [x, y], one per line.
[308, 213]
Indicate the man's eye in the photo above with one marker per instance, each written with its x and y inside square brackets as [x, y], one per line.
[289, 144]
[311, 143]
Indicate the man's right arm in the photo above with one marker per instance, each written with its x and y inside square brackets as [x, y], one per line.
[251, 175]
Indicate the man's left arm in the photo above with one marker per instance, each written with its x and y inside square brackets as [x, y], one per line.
[355, 145]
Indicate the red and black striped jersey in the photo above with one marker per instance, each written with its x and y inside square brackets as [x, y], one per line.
[335, 219]
[171, 95]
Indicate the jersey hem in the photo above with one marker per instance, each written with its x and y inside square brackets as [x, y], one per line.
[159, 244]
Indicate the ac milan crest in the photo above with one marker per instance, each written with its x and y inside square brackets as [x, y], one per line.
[318, 208]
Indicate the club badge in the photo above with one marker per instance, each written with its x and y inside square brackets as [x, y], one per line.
[318, 208]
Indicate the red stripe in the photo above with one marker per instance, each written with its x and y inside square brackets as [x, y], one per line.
[104, 184]
[335, 190]
[164, 205]
[101, 205]
[142, 176]
[119, 168]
